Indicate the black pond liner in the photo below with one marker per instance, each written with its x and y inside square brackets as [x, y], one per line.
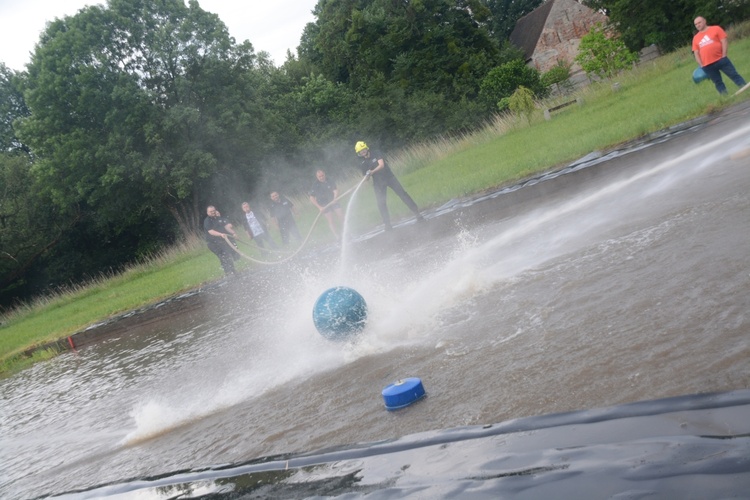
[695, 446]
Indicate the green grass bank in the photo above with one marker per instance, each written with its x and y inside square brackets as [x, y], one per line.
[649, 98]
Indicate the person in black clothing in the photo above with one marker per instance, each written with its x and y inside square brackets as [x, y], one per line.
[322, 193]
[282, 210]
[232, 238]
[217, 229]
[373, 165]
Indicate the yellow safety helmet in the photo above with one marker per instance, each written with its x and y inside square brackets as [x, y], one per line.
[359, 147]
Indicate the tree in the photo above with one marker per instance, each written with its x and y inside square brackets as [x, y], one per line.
[506, 13]
[502, 81]
[142, 108]
[30, 226]
[666, 23]
[440, 46]
[522, 102]
[602, 54]
[12, 107]
[319, 108]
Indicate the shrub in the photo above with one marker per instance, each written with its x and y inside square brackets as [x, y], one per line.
[502, 81]
[522, 102]
[558, 74]
[602, 54]
[503, 104]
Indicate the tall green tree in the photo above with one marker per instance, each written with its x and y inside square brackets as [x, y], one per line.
[12, 107]
[30, 226]
[141, 108]
[667, 23]
[506, 13]
[440, 46]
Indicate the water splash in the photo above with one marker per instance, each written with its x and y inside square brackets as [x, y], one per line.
[345, 238]
[408, 311]
[527, 242]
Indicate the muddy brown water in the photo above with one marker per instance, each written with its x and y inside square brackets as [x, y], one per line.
[617, 281]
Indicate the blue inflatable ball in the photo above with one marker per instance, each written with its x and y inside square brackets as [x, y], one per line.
[699, 75]
[340, 313]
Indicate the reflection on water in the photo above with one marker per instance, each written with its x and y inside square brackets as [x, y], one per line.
[618, 283]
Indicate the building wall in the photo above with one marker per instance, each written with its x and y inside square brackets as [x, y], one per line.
[567, 23]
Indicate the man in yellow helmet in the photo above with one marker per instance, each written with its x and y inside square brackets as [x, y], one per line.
[373, 165]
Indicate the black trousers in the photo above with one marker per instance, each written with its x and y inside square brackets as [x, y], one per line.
[288, 228]
[381, 186]
[224, 253]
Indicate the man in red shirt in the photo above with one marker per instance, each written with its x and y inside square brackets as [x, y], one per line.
[710, 49]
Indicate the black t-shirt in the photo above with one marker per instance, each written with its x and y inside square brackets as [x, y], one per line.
[323, 191]
[371, 163]
[215, 223]
[282, 209]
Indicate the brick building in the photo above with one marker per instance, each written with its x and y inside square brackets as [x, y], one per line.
[552, 33]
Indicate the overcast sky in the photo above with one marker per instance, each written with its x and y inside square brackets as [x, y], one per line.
[271, 25]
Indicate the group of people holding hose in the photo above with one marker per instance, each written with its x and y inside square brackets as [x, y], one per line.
[221, 235]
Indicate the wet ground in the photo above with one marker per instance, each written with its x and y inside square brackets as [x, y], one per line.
[619, 279]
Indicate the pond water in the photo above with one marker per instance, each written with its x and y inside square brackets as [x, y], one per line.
[611, 282]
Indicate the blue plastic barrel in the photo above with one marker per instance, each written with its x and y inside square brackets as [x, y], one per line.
[403, 393]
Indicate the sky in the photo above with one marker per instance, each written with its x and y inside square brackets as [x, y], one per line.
[272, 26]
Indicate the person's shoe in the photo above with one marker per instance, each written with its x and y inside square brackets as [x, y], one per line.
[388, 227]
[420, 218]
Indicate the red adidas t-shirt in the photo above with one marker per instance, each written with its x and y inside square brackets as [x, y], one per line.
[708, 43]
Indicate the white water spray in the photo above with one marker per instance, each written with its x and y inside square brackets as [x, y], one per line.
[347, 229]
[406, 314]
[531, 241]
